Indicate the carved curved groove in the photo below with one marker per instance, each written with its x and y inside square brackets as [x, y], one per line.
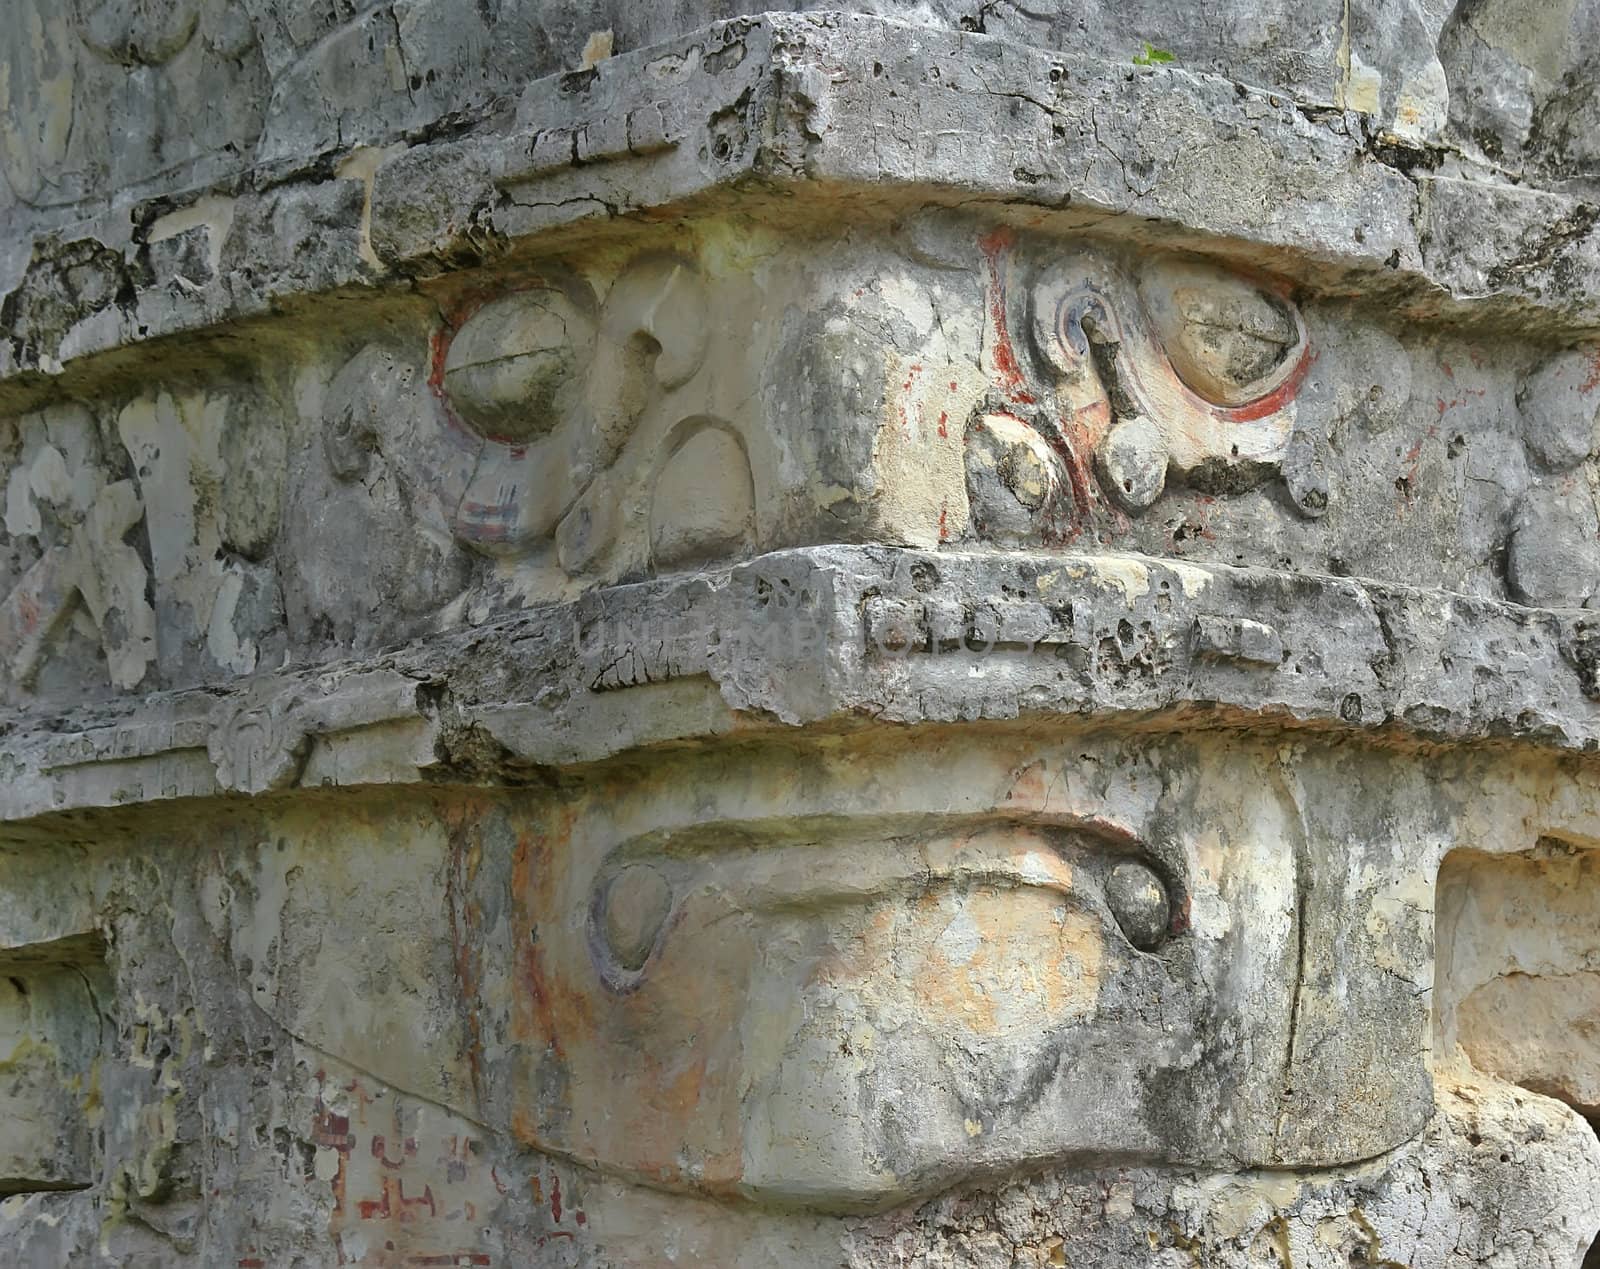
[702, 494]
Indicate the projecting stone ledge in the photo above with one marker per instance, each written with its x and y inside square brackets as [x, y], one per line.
[782, 111]
[835, 638]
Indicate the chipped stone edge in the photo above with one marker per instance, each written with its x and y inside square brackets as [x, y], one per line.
[777, 112]
[833, 637]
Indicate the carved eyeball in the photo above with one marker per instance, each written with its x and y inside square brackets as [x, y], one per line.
[1228, 339]
[1138, 899]
[516, 365]
[636, 905]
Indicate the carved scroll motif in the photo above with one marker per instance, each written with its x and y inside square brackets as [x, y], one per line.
[1189, 369]
[539, 390]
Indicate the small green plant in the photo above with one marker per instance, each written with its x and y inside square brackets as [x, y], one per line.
[1152, 56]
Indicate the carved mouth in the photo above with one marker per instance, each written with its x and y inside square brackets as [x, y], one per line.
[823, 864]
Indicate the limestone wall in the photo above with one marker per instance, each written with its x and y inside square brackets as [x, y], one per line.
[934, 635]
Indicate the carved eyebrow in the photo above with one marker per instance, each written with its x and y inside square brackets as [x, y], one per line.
[716, 836]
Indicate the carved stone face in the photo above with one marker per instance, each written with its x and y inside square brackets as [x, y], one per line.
[846, 964]
[830, 985]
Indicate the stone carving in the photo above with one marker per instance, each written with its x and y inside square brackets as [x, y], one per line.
[97, 567]
[646, 130]
[257, 748]
[551, 392]
[1138, 899]
[531, 397]
[356, 402]
[211, 469]
[702, 505]
[69, 60]
[58, 497]
[1018, 486]
[135, 32]
[823, 643]
[985, 893]
[259, 741]
[1190, 369]
[628, 915]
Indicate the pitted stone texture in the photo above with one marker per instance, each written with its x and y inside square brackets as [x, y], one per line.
[1553, 558]
[823, 636]
[1560, 405]
[1525, 1162]
[947, 635]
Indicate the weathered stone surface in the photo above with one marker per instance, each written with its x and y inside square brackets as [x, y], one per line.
[918, 634]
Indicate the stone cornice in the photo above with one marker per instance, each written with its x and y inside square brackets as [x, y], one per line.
[831, 637]
[803, 111]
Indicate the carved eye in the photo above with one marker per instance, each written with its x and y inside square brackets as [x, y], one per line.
[1138, 899]
[514, 367]
[633, 908]
[1228, 339]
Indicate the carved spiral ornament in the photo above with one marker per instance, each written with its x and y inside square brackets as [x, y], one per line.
[1189, 366]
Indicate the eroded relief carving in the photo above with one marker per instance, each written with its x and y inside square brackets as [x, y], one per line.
[771, 649]
[135, 32]
[702, 503]
[164, 515]
[161, 62]
[1179, 368]
[843, 1008]
[211, 467]
[552, 390]
[59, 500]
[513, 434]
[1553, 553]
[1200, 365]
[260, 741]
